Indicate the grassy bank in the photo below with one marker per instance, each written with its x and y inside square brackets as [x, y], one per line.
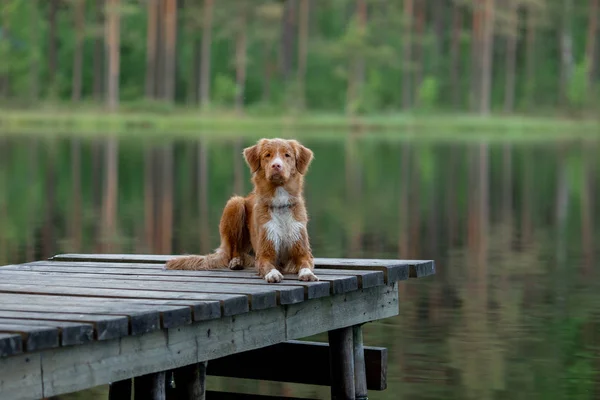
[189, 123]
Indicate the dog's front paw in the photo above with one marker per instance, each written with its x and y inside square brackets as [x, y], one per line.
[236, 263]
[274, 276]
[307, 275]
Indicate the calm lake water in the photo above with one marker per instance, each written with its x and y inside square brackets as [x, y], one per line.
[512, 313]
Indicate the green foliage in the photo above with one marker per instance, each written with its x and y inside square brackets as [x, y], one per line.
[341, 52]
[224, 90]
[428, 94]
[578, 85]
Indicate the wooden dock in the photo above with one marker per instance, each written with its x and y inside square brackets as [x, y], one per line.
[77, 321]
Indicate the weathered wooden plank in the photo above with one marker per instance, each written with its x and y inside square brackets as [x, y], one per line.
[105, 327]
[97, 363]
[312, 290]
[287, 294]
[34, 337]
[341, 283]
[366, 279]
[202, 310]
[394, 270]
[265, 364]
[21, 377]
[71, 333]
[115, 293]
[10, 344]
[142, 318]
[259, 298]
[303, 322]
[120, 390]
[341, 364]
[149, 387]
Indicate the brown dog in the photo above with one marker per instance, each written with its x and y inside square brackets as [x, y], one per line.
[270, 222]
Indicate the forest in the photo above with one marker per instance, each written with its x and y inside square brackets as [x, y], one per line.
[273, 56]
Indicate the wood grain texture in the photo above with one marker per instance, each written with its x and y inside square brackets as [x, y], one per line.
[265, 364]
[259, 298]
[340, 282]
[10, 344]
[232, 305]
[34, 337]
[74, 368]
[394, 270]
[70, 333]
[312, 290]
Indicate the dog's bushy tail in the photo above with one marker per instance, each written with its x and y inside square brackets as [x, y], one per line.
[215, 260]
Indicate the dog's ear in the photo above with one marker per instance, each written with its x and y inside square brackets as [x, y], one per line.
[304, 156]
[251, 154]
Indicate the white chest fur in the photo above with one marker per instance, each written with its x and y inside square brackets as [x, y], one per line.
[282, 229]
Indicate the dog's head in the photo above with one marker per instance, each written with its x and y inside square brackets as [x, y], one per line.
[278, 159]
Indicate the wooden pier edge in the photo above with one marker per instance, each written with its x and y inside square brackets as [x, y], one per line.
[74, 368]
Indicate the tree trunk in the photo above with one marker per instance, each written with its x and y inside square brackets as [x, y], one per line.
[34, 69]
[440, 9]
[78, 56]
[407, 64]
[4, 52]
[194, 78]
[166, 214]
[149, 199]
[530, 55]
[302, 51]
[204, 89]
[99, 53]
[49, 225]
[113, 41]
[170, 33]
[151, 49]
[567, 62]
[159, 68]
[487, 57]
[476, 53]
[590, 49]
[240, 59]
[357, 63]
[457, 21]
[111, 187]
[76, 209]
[268, 73]
[203, 182]
[420, 43]
[52, 56]
[511, 56]
[287, 38]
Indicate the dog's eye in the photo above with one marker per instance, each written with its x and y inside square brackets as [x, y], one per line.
[287, 155]
[268, 155]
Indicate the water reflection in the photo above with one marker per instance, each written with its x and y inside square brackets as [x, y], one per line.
[512, 312]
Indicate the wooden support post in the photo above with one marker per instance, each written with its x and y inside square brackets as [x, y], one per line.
[190, 382]
[360, 371]
[120, 390]
[150, 387]
[341, 355]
